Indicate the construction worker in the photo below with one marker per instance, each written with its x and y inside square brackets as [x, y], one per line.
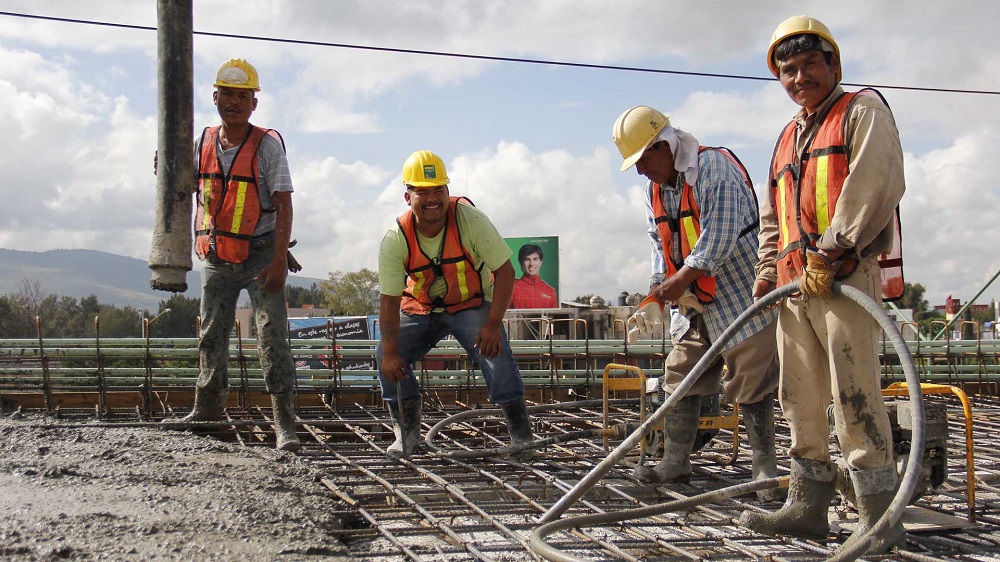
[702, 221]
[444, 270]
[836, 179]
[242, 229]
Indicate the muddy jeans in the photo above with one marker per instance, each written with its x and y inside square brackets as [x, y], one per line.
[752, 370]
[829, 351]
[221, 284]
[418, 333]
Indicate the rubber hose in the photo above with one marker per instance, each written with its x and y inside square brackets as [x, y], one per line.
[854, 548]
[513, 449]
[547, 551]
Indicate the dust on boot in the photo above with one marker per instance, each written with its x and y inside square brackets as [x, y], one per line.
[209, 406]
[406, 428]
[759, 420]
[680, 429]
[519, 428]
[284, 422]
[812, 486]
[874, 490]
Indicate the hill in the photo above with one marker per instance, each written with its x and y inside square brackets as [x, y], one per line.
[117, 280]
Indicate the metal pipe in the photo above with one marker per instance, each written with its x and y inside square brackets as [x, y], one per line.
[170, 256]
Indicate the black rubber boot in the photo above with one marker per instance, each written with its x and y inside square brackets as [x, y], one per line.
[811, 487]
[874, 490]
[407, 429]
[759, 420]
[284, 422]
[209, 406]
[679, 432]
[519, 428]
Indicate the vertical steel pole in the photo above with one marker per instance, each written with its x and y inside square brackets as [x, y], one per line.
[170, 257]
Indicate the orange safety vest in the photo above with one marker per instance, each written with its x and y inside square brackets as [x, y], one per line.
[463, 281]
[689, 227]
[804, 195]
[228, 206]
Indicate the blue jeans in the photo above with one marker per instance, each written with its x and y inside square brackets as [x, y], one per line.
[418, 333]
[221, 284]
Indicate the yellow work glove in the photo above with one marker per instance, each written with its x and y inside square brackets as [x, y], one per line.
[647, 319]
[817, 279]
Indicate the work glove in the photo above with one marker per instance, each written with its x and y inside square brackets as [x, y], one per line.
[689, 302]
[646, 320]
[293, 264]
[817, 279]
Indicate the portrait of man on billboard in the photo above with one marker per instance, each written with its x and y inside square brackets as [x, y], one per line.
[530, 290]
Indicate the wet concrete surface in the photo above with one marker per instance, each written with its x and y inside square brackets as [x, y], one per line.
[89, 492]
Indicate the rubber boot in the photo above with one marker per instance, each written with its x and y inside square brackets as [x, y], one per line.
[284, 423]
[209, 405]
[711, 406]
[407, 429]
[874, 490]
[679, 432]
[811, 487]
[519, 428]
[759, 420]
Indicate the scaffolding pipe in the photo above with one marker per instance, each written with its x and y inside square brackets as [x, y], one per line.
[170, 256]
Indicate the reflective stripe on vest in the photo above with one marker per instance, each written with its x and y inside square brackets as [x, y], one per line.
[463, 282]
[804, 193]
[689, 227]
[228, 206]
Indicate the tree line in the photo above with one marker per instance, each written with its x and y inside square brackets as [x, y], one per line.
[343, 294]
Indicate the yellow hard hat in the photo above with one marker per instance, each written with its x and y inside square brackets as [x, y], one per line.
[635, 130]
[797, 25]
[237, 73]
[424, 169]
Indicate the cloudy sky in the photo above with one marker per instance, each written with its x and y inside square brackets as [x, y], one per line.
[529, 143]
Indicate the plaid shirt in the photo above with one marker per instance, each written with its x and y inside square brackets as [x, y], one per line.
[726, 209]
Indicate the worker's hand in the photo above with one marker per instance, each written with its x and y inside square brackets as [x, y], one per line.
[646, 320]
[394, 368]
[273, 276]
[489, 341]
[817, 279]
[761, 288]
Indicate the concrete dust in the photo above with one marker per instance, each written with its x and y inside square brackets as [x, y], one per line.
[81, 491]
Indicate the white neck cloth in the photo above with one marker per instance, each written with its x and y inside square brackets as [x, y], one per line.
[684, 148]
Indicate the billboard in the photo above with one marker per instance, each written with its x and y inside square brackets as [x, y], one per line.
[536, 271]
[344, 327]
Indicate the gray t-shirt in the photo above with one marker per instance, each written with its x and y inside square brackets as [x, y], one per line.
[272, 169]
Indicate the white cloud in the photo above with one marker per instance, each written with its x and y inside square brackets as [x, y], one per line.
[949, 219]
[79, 118]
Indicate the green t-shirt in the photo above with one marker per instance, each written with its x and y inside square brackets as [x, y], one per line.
[480, 238]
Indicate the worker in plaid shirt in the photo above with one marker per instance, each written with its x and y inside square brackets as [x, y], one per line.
[702, 221]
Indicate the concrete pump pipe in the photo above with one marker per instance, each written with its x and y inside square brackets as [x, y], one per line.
[170, 256]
